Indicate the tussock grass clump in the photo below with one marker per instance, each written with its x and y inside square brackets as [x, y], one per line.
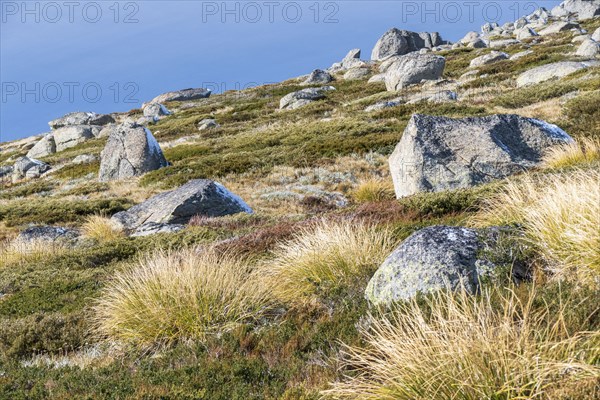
[328, 257]
[458, 346]
[584, 151]
[172, 297]
[374, 190]
[13, 252]
[101, 228]
[560, 215]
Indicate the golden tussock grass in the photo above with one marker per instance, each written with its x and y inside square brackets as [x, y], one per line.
[458, 346]
[169, 297]
[101, 228]
[560, 215]
[583, 151]
[325, 257]
[16, 251]
[374, 190]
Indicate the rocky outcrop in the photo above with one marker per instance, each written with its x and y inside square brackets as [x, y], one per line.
[73, 135]
[26, 167]
[439, 153]
[45, 147]
[433, 258]
[550, 71]
[400, 42]
[413, 68]
[525, 33]
[589, 48]
[303, 97]
[357, 73]
[81, 118]
[351, 60]
[489, 58]
[48, 234]
[557, 27]
[130, 151]
[318, 76]
[152, 228]
[182, 95]
[155, 111]
[197, 197]
[583, 9]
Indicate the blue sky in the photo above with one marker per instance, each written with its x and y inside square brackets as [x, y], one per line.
[106, 56]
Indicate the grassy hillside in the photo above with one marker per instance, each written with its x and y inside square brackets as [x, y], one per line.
[274, 307]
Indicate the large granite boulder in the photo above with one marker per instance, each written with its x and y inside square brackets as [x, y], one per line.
[182, 95]
[551, 71]
[583, 9]
[43, 148]
[433, 258]
[318, 76]
[439, 153]
[131, 150]
[357, 73]
[73, 135]
[155, 111]
[28, 167]
[303, 97]
[559, 26]
[81, 118]
[489, 58]
[197, 197]
[525, 33]
[399, 42]
[413, 68]
[596, 35]
[589, 48]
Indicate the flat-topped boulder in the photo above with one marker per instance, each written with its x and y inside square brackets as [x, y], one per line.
[73, 135]
[303, 97]
[197, 197]
[559, 26]
[131, 150]
[440, 153]
[583, 9]
[400, 42]
[43, 148]
[182, 95]
[81, 118]
[551, 71]
[489, 58]
[413, 68]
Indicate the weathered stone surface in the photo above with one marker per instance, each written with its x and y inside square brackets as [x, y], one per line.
[152, 228]
[433, 258]
[550, 71]
[435, 96]
[303, 97]
[584, 9]
[48, 234]
[470, 37]
[318, 76]
[525, 33]
[73, 135]
[439, 153]
[498, 44]
[399, 42]
[130, 151]
[490, 58]
[557, 27]
[413, 68]
[383, 104]
[43, 148]
[81, 118]
[5, 172]
[589, 48]
[377, 78]
[356, 73]
[488, 27]
[207, 123]
[521, 54]
[85, 159]
[24, 164]
[596, 35]
[155, 111]
[182, 95]
[478, 44]
[197, 197]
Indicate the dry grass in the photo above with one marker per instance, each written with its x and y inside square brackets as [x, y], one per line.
[458, 346]
[328, 256]
[374, 190]
[560, 214]
[584, 151]
[101, 228]
[13, 252]
[170, 297]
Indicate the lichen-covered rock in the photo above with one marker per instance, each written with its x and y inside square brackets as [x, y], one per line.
[589, 48]
[303, 97]
[489, 58]
[559, 26]
[197, 197]
[73, 135]
[550, 71]
[131, 150]
[48, 234]
[413, 68]
[584, 9]
[318, 76]
[207, 123]
[439, 153]
[153, 228]
[433, 258]
[24, 164]
[81, 118]
[356, 73]
[182, 95]
[399, 42]
[155, 111]
[43, 148]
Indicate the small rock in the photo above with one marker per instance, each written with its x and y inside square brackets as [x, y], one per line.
[490, 58]
[208, 123]
[318, 76]
[383, 104]
[521, 54]
[496, 44]
[24, 164]
[48, 234]
[356, 73]
[525, 33]
[85, 159]
[155, 111]
[303, 97]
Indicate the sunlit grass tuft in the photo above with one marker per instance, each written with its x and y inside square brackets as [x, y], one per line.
[172, 297]
[584, 151]
[101, 228]
[330, 256]
[458, 346]
[13, 252]
[374, 190]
